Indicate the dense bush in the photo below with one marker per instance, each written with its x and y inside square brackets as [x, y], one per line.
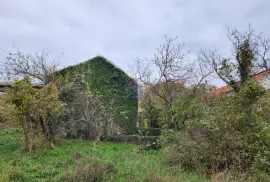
[34, 111]
[155, 108]
[6, 112]
[227, 133]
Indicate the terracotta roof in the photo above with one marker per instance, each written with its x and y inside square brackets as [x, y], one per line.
[226, 89]
[220, 91]
[261, 75]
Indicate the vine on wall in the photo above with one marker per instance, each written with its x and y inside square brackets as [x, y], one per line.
[115, 89]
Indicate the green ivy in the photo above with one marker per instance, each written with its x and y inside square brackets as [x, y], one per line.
[116, 90]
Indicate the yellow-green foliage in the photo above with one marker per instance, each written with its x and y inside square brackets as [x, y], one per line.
[28, 101]
[156, 104]
[48, 100]
[32, 107]
[6, 111]
[22, 96]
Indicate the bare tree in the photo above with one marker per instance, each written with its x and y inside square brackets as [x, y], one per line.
[39, 69]
[169, 65]
[36, 66]
[92, 117]
[250, 55]
[200, 74]
[263, 53]
[86, 116]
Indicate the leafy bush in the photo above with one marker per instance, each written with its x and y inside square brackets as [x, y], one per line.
[34, 111]
[180, 149]
[6, 112]
[228, 133]
[261, 165]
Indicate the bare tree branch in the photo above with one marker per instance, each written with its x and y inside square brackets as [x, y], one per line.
[250, 55]
[170, 64]
[36, 66]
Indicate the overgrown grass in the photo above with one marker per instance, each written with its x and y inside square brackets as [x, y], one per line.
[49, 164]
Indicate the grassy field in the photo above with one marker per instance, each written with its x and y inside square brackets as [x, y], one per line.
[127, 161]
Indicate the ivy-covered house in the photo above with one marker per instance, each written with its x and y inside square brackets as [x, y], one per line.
[114, 90]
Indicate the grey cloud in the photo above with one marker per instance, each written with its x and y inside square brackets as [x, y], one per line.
[122, 30]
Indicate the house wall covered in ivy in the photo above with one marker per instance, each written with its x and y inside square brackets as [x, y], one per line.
[115, 90]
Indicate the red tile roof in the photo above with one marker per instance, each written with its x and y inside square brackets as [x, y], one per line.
[220, 91]
[261, 75]
[226, 89]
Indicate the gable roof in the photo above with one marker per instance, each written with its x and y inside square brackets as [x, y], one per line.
[228, 88]
[87, 63]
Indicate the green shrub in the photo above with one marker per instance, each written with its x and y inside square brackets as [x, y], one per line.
[261, 166]
[34, 110]
[179, 149]
[6, 112]
[230, 133]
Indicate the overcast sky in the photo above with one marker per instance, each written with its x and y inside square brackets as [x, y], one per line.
[122, 30]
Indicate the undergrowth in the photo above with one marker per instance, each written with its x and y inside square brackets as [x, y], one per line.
[77, 160]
